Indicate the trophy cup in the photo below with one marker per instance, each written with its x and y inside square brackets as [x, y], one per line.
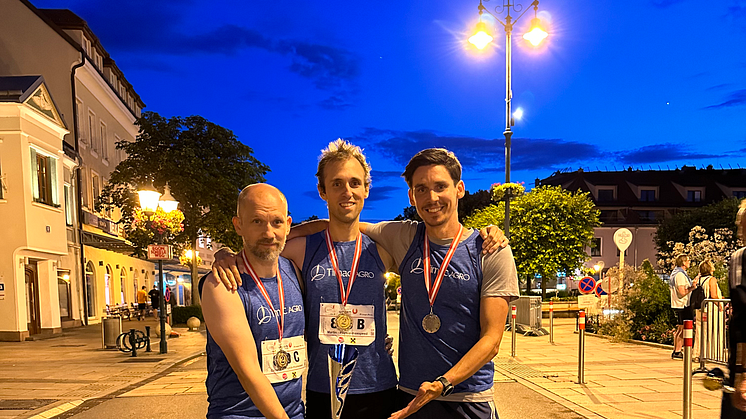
[342, 360]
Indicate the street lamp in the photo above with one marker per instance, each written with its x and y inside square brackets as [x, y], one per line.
[150, 200]
[481, 39]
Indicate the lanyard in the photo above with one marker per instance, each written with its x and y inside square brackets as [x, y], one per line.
[263, 291]
[335, 264]
[432, 289]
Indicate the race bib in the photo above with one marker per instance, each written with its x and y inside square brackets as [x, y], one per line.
[294, 359]
[362, 331]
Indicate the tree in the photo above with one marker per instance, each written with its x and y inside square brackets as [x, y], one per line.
[204, 164]
[409, 213]
[551, 227]
[711, 217]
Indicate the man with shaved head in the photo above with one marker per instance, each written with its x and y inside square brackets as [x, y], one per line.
[255, 345]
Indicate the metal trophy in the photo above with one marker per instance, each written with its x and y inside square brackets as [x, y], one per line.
[342, 360]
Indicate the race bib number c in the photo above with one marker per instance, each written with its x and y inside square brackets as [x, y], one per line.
[362, 331]
[295, 348]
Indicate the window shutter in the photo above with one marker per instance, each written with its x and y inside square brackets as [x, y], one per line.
[34, 175]
[53, 180]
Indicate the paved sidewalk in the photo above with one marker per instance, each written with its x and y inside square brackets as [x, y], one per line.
[624, 380]
[41, 379]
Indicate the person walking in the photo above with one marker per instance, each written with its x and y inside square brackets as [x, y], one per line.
[142, 303]
[681, 286]
[734, 404]
[155, 300]
[714, 341]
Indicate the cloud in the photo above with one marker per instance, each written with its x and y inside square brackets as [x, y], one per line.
[383, 193]
[311, 194]
[158, 28]
[737, 98]
[475, 154]
[659, 153]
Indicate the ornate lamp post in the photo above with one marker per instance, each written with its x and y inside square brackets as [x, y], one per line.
[150, 200]
[481, 39]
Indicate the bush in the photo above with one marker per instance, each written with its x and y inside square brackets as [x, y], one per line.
[180, 315]
[645, 307]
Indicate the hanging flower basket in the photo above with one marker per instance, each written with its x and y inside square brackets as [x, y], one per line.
[502, 191]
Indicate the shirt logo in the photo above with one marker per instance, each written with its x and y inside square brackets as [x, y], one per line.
[263, 315]
[319, 272]
[416, 268]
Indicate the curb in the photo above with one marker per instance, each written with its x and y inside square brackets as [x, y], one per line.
[69, 408]
[636, 342]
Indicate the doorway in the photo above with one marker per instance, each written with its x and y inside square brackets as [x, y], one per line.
[32, 300]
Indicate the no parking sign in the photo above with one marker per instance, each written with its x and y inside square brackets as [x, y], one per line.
[587, 285]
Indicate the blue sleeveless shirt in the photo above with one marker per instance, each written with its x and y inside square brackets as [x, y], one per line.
[374, 370]
[425, 356]
[225, 394]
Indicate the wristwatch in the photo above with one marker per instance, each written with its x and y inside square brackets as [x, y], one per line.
[447, 386]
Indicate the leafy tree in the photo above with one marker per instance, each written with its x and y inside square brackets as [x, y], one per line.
[711, 217]
[551, 227]
[409, 213]
[204, 164]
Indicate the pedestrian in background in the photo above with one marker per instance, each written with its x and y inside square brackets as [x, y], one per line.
[681, 286]
[142, 303]
[155, 300]
[715, 341]
[734, 404]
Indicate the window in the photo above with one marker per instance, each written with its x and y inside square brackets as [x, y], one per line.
[44, 178]
[693, 196]
[122, 276]
[649, 215]
[736, 194]
[596, 246]
[647, 195]
[84, 188]
[107, 284]
[605, 195]
[2, 182]
[95, 190]
[82, 137]
[90, 289]
[69, 204]
[91, 131]
[120, 155]
[63, 289]
[104, 142]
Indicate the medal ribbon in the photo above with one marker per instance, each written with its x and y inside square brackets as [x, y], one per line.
[335, 264]
[432, 289]
[265, 294]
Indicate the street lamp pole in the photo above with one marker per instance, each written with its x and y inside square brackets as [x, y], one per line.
[480, 40]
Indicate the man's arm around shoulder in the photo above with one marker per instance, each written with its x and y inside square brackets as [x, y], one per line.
[226, 319]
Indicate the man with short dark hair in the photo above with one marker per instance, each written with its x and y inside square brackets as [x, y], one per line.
[680, 286]
[155, 300]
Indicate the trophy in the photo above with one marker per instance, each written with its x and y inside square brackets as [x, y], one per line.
[342, 360]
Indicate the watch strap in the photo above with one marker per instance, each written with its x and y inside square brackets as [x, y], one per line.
[447, 386]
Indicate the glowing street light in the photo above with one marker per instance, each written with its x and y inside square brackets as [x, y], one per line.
[481, 39]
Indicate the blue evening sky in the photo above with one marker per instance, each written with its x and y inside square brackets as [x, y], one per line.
[648, 84]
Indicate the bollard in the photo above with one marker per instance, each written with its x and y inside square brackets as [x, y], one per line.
[581, 347]
[551, 321]
[688, 338]
[147, 336]
[702, 336]
[512, 331]
[133, 342]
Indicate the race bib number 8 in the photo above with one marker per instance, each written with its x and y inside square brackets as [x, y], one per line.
[295, 348]
[361, 332]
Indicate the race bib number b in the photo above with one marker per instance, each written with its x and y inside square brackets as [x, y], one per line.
[295, 347]
[361, 332]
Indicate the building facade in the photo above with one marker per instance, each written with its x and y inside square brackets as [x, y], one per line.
[96, 107]
[640, 200]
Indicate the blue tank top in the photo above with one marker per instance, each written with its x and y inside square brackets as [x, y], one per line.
[425, 356]
[374, 370]
[225, 394]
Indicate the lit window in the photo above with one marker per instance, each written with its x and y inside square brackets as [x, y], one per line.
[44, 178]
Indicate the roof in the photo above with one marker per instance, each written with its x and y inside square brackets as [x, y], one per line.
[64, 17]
[18, 88]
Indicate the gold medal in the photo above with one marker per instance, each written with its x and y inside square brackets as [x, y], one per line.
[281, 360]
[431, 323]
[344, 321]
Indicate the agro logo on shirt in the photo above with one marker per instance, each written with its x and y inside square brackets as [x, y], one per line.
[417, 269]
[319, 272]
[264, 314]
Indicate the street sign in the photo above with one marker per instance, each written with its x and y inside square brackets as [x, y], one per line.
[599, 291]
[159, 252]
[167, 295]
[622, 239]
[587, 285]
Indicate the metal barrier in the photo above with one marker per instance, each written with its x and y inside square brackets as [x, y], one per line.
[528, 318]
[712, 333]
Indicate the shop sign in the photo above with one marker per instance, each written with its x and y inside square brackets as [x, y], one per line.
[159, 252]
